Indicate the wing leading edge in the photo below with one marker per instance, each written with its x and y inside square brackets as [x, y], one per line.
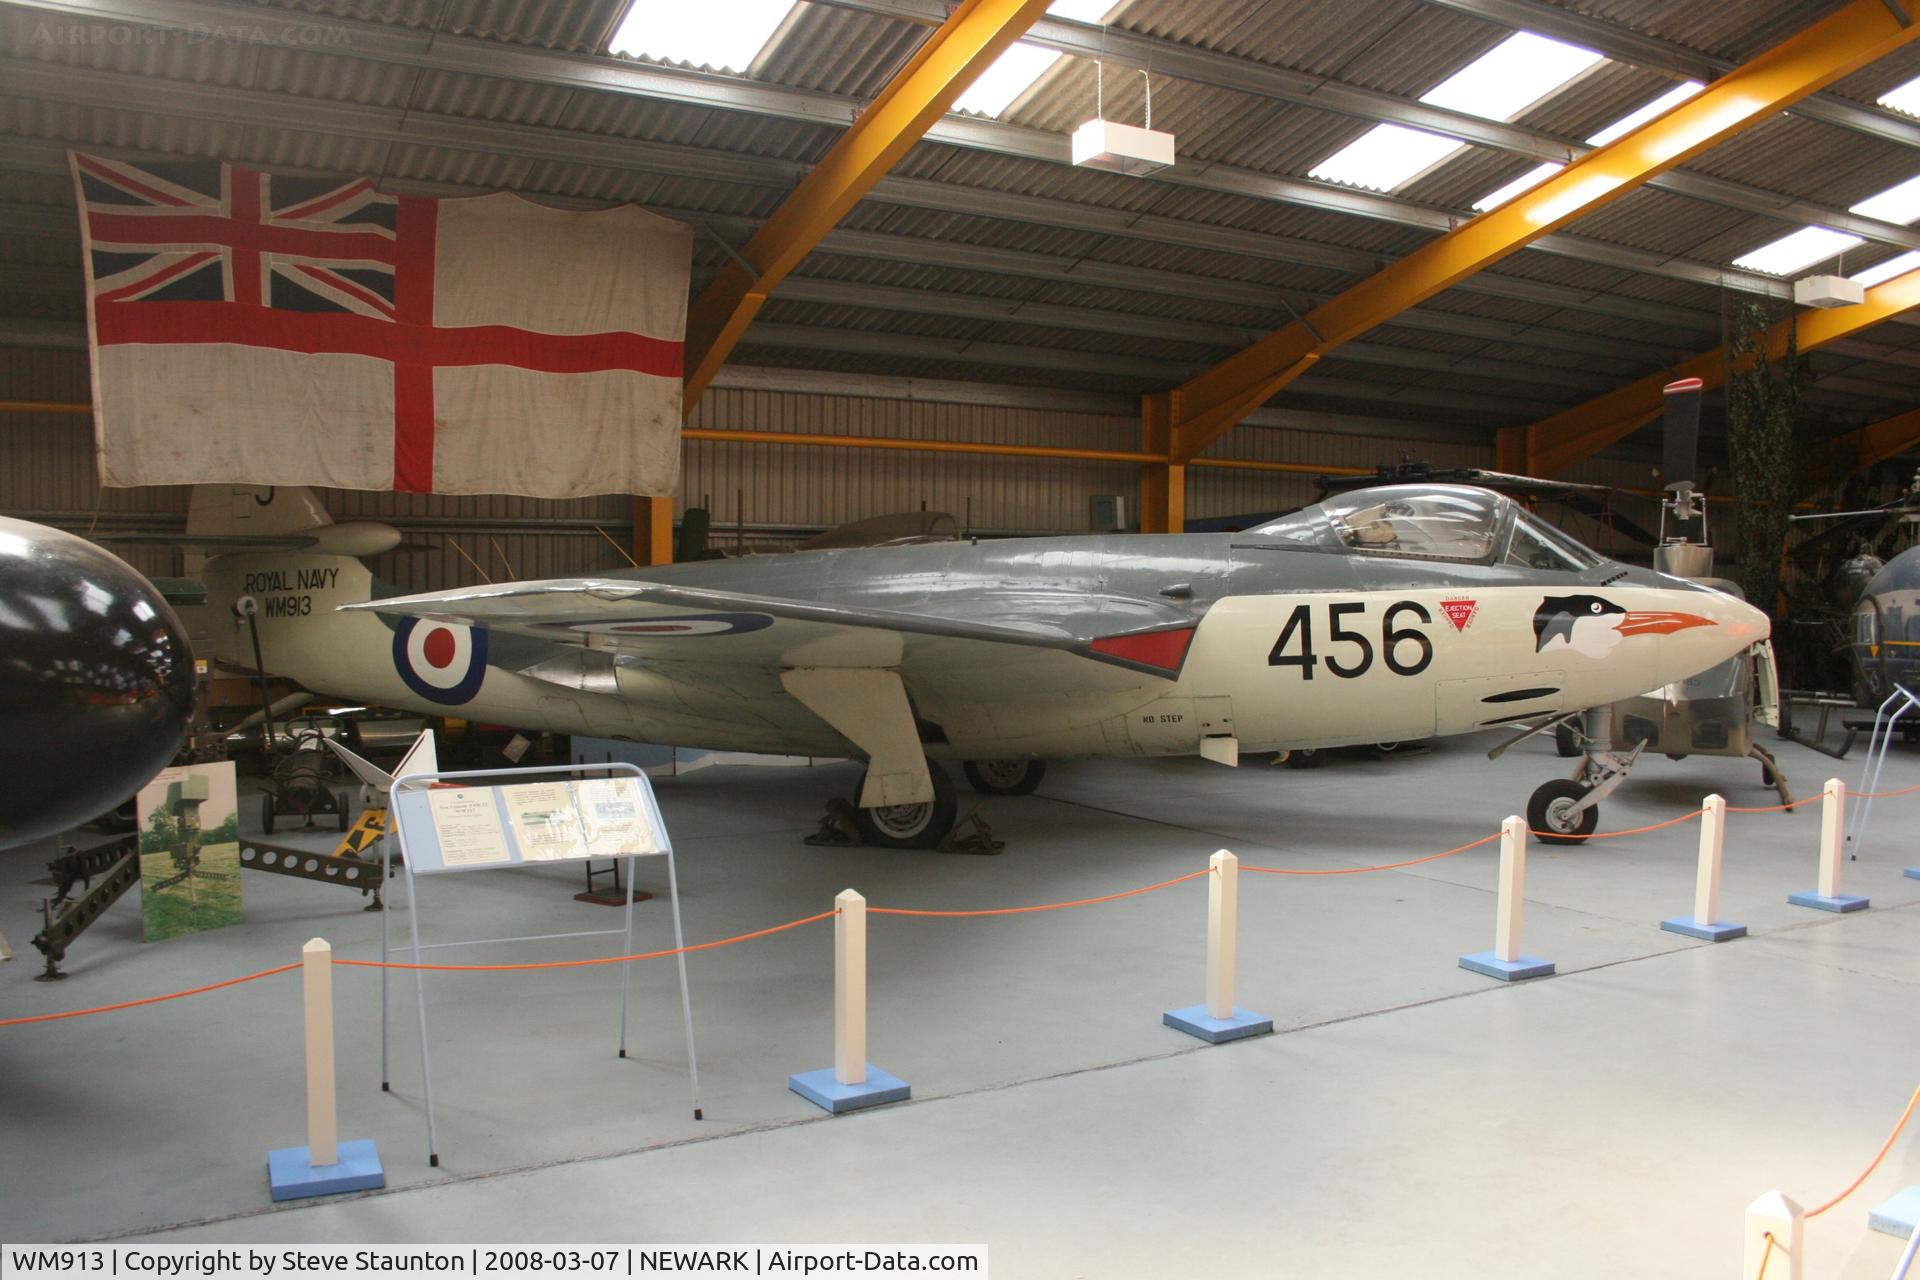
[668, 623]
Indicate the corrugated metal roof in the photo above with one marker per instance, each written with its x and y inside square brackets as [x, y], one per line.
[1735, 29]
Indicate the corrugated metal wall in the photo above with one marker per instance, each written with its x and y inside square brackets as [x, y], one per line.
[781, 492]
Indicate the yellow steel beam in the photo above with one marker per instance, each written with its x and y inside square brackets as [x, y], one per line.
[653, 531]
[1879, 441]
[1556, 443]
[950, 59]
[1838, 44]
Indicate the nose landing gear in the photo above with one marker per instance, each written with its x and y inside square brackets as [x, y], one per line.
[1567, 810]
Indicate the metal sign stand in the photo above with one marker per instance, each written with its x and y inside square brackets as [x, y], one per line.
[1883, 730]
[413, 828]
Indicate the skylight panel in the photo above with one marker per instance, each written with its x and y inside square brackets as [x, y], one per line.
[722, 35]
[1525, 182]
[1498, 85]
[1016, 70]
[1659, 106]
[1510, 77]
[1898, 204]
[1011, 74]
[1905, 98]
[1618, 129]
[1887, 270]
[1384, 157]
[1803, 248]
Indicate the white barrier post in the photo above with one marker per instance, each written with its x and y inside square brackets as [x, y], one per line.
[1826, 895]
[1706, 882]
[851, 1082]
[850, 989]
[1772, 1239]
[1223, 910]
[1505, 961]
[325, 1166]
[1219, 1019]
[316, 984]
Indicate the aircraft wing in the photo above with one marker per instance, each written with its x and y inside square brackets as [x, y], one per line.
[668, 623]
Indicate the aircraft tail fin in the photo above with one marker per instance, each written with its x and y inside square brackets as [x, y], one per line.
[269, 511]
[421, 757]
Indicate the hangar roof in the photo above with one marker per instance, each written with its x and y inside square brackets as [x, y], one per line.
[985, 255]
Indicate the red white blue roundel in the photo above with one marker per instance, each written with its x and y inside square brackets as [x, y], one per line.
[703, 624]
[440, 661]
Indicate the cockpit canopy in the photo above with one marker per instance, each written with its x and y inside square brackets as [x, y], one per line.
[1456, 523]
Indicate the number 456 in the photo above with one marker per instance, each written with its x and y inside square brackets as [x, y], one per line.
[1392, 640]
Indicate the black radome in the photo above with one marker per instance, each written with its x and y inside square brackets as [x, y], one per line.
[96, 681]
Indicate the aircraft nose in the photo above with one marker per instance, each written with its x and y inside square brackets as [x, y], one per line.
[1736, 625]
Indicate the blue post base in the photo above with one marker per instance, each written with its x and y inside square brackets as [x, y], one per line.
[823, 1091]
[1195, 1021]
[290, 1176]
[1897, 1216]
[1506, 970]
[1912, 873]
[1713, 931]
[1819, 902]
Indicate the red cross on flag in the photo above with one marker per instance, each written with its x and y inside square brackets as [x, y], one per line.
[261, 328]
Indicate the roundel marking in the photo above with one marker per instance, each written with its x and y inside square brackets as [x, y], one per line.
[705, 624]
[443, 662]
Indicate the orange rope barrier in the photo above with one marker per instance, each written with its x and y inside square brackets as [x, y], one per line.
[1772, 808]
[1630, 831]
[1878, 1157]
[1765, 1254]
[992, 911]
[1045, 906]
[1884, 795]
[1385, 866]
[135, 1004]
[583, 964]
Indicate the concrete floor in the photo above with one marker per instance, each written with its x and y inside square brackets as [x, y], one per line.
[1409, 1117]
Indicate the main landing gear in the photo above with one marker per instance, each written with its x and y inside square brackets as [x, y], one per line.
[931, 824]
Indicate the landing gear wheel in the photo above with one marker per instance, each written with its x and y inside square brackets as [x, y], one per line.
[909, 826]
[266, 813]
[1766, 776]
[1550, 813]
[340, 808]
[1004, 777]
[1565, 745]
[1306, 758]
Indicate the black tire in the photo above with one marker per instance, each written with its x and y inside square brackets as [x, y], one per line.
[1547, 816]
[1306, 758]
[266, 812]
[340, 807]
[1014, 777]
[1766, 776]
[909, 826]
[1564, 743]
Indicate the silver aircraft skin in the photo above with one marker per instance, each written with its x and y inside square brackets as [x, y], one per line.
[1393, 613]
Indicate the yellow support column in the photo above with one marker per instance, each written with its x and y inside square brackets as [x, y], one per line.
[950, 59]
[1163, 485]
[1511, 448]
[653, 530]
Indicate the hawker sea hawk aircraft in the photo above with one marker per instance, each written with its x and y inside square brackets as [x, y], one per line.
[1392, 613]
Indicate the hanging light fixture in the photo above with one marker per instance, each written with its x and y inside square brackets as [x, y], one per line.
[1121, 148]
